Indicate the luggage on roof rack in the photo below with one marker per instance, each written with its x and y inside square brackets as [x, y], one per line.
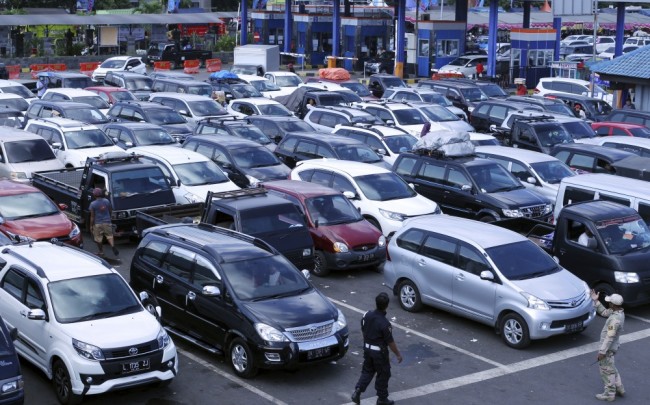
[445, 143]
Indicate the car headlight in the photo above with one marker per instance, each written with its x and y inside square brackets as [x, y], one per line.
[88, 352]
[306, 252]
[513, 213]
[548, 208]
[381, 242]
[192, 198]
[269, 333]
[534, 302]
[18, 176]
[470, 108]
[340, 247]
[18, 237]
[12, 385]
[74, 232]
[121, 214]
[341, 322]
[626, 278]
[163, 339]
[395, 216]
[254, 181]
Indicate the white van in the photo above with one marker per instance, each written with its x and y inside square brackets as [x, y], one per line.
[599, 186]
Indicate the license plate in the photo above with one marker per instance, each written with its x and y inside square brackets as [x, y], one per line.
[365, 258]
[573, 327]
[134, 366]
[318, 353]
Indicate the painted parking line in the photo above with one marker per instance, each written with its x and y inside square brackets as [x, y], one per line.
[638, 318]
[231, 377]
[426, 337]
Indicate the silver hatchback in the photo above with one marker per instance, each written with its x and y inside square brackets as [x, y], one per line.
[488, 274]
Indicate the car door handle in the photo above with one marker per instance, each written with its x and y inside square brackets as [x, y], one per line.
[191, 296]
[421, 262]
[23, 313]
[460, 276]
[562, 251]
[158, 279]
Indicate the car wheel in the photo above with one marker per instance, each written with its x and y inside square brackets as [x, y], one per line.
[63, 385]
[515, 331]
[603, 291]
[409, 296]
[374, 223]
[320, 264]
[487, 218]
[241, 359]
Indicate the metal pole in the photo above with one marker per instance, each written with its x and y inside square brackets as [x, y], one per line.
[593, 76]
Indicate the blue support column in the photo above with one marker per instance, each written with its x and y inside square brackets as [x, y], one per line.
[526, 22]
[336, 34]
[243, 40]
[288, 23]
[620, 29]
[401, 30]
[493, 26]
[557, 25]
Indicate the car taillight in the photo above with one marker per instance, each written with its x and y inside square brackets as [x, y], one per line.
[536, 90]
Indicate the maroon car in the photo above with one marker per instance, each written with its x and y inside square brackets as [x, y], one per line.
[112, 94]
[343, 239]
[607, 128]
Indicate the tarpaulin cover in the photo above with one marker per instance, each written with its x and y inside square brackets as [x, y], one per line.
[334, 74]
[447, 143]
[223, 74]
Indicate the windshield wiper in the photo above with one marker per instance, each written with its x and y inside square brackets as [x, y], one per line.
[126, 310]
[98, 315]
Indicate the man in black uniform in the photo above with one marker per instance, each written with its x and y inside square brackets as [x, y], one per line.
[377, 339]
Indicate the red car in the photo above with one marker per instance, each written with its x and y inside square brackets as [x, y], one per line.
[27, 213]
[620, 128]
[112, 94]
[343, 239]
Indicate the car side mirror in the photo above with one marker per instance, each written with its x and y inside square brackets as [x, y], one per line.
[184, 113]
[211, 291]
[487, 275]
[531, 180]
[592, 243]
[466, 187]
[56, 145]
[390, 122]
[128, 144]
[381, 151]
[493, 128]
[36, 314]
[349, 195]
[306, 273]
[63, 207]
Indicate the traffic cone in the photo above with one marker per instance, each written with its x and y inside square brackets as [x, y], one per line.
[545, 8]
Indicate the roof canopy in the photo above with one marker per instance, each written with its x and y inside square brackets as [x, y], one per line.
[108, 19]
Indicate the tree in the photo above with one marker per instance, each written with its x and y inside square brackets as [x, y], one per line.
[149, 7]
[112, 4]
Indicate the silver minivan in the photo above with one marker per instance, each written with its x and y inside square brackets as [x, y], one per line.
[22, 153]
[488, 274]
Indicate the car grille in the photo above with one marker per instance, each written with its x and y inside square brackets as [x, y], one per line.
[364, 248]
[124, 352]
[533, 211]
[310, 332]
[570, 303]
[63, 238]
[564, 322]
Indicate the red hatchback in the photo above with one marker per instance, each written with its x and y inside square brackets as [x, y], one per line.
[343, 239]
[27, 213]
[621, 129]
[112, 94]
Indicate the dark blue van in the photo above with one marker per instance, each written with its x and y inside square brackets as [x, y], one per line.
[11, 379]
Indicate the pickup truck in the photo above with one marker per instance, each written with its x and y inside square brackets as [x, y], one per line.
[172, 53]
[604, 243]
[129, 184]
[251, 211]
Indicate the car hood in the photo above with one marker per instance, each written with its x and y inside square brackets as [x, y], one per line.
[41, 228]
[141, 326]
[561, 285]
[457, 126]
[290, 312]
[40, 166]
[268, 173]
[202, 191]
[520, 198]
[353, 234]
[412, 206]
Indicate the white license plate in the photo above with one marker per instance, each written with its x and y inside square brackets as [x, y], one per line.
[134, 366]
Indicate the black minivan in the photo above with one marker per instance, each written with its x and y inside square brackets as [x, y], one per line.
[10, 374]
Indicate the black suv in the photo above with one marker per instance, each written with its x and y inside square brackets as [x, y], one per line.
[298, 146]
[181, 86]
[246, 163]
[384, 63]
[585, 158]
[10, 374]
[377, 83]
[234, 294]
[539, 134]
[595, 109]
[493, 112]
[67, 109]
[471, 187]
[630, 116]
[276, 127]
[233, 126]
[129, 134]
[492, 90]
[462, 95]
[154, 113]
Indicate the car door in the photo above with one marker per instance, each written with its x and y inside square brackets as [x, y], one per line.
[473, 296]
[434, 270]
[459, 194]
[429, 182]
[172, 285]
[305, 149]
[222, 158]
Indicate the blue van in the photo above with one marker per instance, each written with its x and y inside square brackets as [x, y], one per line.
[11, 378]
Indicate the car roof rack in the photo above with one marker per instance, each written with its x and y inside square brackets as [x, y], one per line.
[39, 270]
[220, 119]
[112, 157]
[245, 192]
[534, 118]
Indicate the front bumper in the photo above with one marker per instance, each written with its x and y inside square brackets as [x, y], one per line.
[544, 324]
[355, 259]
[634, 294]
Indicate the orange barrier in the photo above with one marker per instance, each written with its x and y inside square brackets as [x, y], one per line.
[213, 65]
[14, 71]
[162, 65]
[191, 66]
[46, 67]
[88, 68]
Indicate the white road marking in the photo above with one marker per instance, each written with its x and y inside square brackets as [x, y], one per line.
[638, 318]
[426, 337]
[231, 377]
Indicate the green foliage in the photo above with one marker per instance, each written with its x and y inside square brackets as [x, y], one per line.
[112, 4]
[226, 43]
[149, 7]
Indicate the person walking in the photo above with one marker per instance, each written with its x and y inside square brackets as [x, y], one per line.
[479, 70]
[377, 339]
[609, 343]
[41, 85]
[100, 222]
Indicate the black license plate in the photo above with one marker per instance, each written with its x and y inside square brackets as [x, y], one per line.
[366, 258]
[573, 327]
[135, 366]
[318, 353]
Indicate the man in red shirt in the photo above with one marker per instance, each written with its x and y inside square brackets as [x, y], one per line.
[479, 70]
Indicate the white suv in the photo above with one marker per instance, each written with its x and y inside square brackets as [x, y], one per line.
[78, 95]
[381, 196]
[571, 86]
[401, 115]
[387, 140]
[119, 63]
[80, 323]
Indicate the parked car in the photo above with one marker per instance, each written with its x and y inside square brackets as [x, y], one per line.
[493, 112]
[629, 116]
[112, 94]
[144, 111]
[129, 134]
[181, 86]
[585, 158]
[13, 102]
[387, 140]
[606, 128]
[66, 79]
[325, 118]
[573, 86]
[77, 95]
[277, 127]
[443, 116]
[595, 109]
[23, 153]
[10, 372]
[136, 83]
[119, 63]
[66, 109]
[14, 87]
[233, 126]
[383, 63]
[191, 106]
[636, 145]
[546, 104]
[379, 82]
[244, 107]
[466, 65]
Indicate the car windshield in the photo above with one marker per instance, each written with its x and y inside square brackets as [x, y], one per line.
[274, 109]
[26, 205]
[20, 90]
[206, 108]
[244, 91]
[152, 136]
[560, 108]
[93, 297]
[332, 210]
[139, 181]
[360, 153]
[251, 157]
[288, 81]
[29, 150]
[400, 143]
[294, 126]
[165, 117]
[122, 95]
[200, 173]
[493, 90]
[264, 85]
[199, 90]
[436, 98]
[252, 133]
[360, 89]
[551, 135]
[552, 171]
[459, 62]
[95, 101]
[138, 83]
[493, 178]
[113, 64]
[384, 187]
[393, 82]
[19, 104]
[640, 132]
[439, 113]
[579, 129]
[599, 107]
[89, 115]
[624, 235]
[264, 278]
[410, 116]
[522, 260]
[89, 138]
[473, 94]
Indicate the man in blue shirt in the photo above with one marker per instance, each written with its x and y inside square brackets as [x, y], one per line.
[100, 222]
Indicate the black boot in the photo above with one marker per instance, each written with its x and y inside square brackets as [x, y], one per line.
[385, 401]
[356, 396]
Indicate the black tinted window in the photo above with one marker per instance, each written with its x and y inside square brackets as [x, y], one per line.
[574, 195]
[13, 284]
[411, 240]
[153, 252]
[440, 249]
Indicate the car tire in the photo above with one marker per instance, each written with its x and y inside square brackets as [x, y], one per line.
[409, 296]
[63, 385]
[320, 264]
[603, 291]
[374, 223]
[241, 359]
[514, 331]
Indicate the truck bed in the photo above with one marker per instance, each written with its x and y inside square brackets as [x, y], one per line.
[539, 232]
[70, 178]
[168, 215]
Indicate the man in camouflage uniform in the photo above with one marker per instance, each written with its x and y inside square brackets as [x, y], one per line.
[609, 343]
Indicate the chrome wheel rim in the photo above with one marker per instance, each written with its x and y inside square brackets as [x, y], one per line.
[407, 295]
[239, 358]
[513, 331]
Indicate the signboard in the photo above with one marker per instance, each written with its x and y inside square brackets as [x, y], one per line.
[108, 36]
[573, 7]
